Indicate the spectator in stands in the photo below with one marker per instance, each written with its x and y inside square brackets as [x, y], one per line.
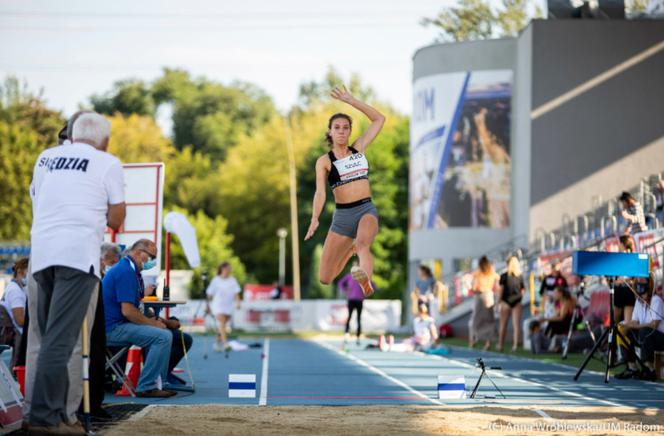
[13, 307]
[632, 213]
[427, 289]
[646, 328]
[565, 305]
[223, 294]
[485, 282]
[659, 201]
[624, 298]
[539, 342]
[123, 289]
[550, 282]
[512, 289]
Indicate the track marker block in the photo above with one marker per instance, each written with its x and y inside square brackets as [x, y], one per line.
[241, 385]
[451, 387]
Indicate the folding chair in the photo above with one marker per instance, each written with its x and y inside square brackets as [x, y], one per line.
[118, 371]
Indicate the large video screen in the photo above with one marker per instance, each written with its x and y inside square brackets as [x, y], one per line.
[460, 150]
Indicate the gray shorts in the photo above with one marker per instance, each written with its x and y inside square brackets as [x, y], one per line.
[347, 217]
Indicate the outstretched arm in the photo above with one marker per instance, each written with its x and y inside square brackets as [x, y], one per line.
[377, 119]
[319, 196]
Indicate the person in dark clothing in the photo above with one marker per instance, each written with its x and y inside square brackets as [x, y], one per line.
[550, 282]
[511, 293]
[645, 329]
[110, 255]
[624, 299]
[565, 306]
[181, 342]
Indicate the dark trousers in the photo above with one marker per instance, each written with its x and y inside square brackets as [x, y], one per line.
[648, 339]
[97, 356]
[64, 295]
[177, 349]
[355, 305]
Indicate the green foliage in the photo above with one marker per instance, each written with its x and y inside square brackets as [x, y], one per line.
[635, 7]
[214, 244]
[127, 97]
[316, 288]
[253, 194]
[471, 20]
[27, 127]
[138, 138]
[313, 92]
[227, 169]
[207, 116]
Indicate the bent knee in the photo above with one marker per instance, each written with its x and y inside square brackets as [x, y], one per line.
[163, 336]
[325, 277]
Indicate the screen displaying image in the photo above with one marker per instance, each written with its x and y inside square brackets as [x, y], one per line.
[460, 151]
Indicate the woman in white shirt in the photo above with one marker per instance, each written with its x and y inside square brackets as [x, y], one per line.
[13, 300]
[647, 328]
[223, 295]
[424, 332]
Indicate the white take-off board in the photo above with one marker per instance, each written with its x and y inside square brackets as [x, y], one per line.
[144, 195]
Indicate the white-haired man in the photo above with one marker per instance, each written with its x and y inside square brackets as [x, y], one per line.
[77, 190]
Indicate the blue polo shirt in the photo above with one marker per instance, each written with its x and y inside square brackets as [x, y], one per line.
[122, 284]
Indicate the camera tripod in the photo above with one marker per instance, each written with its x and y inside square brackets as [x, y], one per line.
[609, 336]
[572, 325]
[483, 367]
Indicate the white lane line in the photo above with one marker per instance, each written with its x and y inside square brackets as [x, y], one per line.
[595, 81]
[379, 372]
[262, 401]
[522, 380]
[543, 414]
[141, 414]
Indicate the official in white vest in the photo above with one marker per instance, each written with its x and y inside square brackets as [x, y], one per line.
[77, 190]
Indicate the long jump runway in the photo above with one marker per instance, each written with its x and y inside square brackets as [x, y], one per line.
[321, 372]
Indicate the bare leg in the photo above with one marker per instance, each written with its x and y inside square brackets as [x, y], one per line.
[223, 321]
[504, 317]
[617, 314]
[516, 326]
[366, 233]
[628, 312]
[336, 252]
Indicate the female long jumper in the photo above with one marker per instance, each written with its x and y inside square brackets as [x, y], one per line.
[346, 169]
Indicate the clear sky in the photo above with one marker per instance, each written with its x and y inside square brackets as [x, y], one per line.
[72, 49]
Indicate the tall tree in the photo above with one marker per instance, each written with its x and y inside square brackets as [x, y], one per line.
[214, 244]
[27, 127]
[138, 138]
[470, 20]
[127, 97]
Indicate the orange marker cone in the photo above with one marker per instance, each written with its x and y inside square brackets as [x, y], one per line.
[132, 371]
[381, 343]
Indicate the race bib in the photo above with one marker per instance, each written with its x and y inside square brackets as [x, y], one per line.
[352, 167]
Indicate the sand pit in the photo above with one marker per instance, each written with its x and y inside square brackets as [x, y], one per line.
[389, 420]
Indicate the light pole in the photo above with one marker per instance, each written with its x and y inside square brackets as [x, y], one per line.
[282, 233]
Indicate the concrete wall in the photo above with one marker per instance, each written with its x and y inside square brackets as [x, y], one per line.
[606, 138]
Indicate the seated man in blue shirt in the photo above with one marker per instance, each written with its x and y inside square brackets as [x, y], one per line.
[123, 289]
